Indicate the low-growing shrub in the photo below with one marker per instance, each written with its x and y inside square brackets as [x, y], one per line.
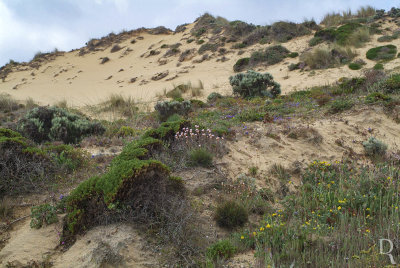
[56, 124]
[384, 53]
[376, 97]
[200, 157]
[374, 147]
[355, 66]
[208, 47]
[167, 108]
[8, 104]
[387, 38]
[271, 55]
[315, 41]
[392, 84]
[241, 64]
[253, 84]
[220, 250]
[378, 66]
[340, 105]
[293, 54]
[213, 97]
[231, 215]
[320, 58]
[43, 214]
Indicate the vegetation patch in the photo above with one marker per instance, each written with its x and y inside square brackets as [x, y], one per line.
[384, 53]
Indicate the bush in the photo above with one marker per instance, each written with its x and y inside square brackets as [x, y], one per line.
[214, 96]
[359, 37]
[283, 31]
[8, 104]
[271, 55]
[355, 66]
[344, 32]
[200, 157]
[208, 47]
[387, 38]
[376, 96]
[220, 250]
[315, 41]
[382, 53]
[392, 84]
[293, 55]
[43, 214]
[241, 64]
[167, 108]
[230, 215]
[56, 124]
[253, 84]
[378, 66]
[374, 147]
[341, 105]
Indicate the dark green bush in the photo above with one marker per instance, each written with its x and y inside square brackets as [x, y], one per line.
[271, 55]
[384, 53]
[241, 64]
[230, 215]
[328, 34]
[253, 84]
[378, 66]
[208, 47]
[340, 105]
[315, 41]
[167, 108]
[355, 66]
[293, 55]
[56, 124]
[200, 157]
[222, 249]
[283, 31]
[387, 38]
[344, 32]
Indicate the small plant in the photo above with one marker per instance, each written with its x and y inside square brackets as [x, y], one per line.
[43, 214]
[253, 84]
[104, 60]
[293, 55]
[222, 249]
[374, 147]
[208, 47]
[315, 41]
[241, 64]
[392, 84]
[167, 108]
[384, 53]
[213, 97]
[231, 215]
[340, 105]
[253, 170]
[378, 66]
[200, 157]
[376, 97]
[355, 66]
[115, 48]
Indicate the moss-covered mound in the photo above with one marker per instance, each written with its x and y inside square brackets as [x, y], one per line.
[384, 53]
[135, 187]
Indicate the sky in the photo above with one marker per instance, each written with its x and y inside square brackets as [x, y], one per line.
[30, 26]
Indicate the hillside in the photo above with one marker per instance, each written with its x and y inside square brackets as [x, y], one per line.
[161, 148]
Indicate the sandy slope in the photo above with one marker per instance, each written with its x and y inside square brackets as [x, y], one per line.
[82, 80]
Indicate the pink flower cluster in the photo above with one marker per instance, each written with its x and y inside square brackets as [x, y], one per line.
[190, 138]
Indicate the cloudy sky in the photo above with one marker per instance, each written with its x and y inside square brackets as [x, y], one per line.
[29, 26]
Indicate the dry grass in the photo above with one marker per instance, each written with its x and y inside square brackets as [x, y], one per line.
[5, 208]
[125, 106]
[366, 11]
[359, 37]
[7, 103]
[326, 57]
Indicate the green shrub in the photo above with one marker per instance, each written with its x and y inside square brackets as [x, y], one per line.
[253, 84]
[387, 38]
[199, 42]
[208, 47]
[359, 37]
[56, 124]
[376, 96]
[241, 64]
[384, 53]
[167, 108]
[200, 157]
[230, 215]
[214, 96]
[222, 249]
[271, 55]
[392, 84]
[378, 66]
[343, 33]
[295, 66]
[315, 41]
[340, 105]
[43, 214]
[126, 131]
[293, 55]
[328, 34]
[174, 118]
[374, 147]
[355, 66]
[283, 31]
